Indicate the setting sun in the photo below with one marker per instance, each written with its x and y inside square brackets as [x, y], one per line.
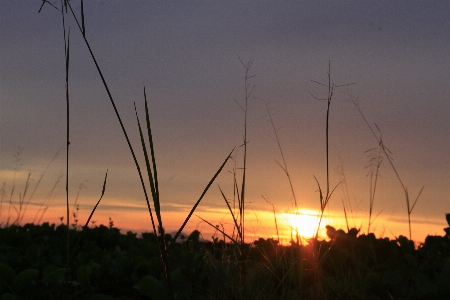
[305, 222]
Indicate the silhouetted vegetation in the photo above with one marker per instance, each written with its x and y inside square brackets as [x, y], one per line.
[105, 264]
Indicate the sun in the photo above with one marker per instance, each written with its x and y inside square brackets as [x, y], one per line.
[304, 223]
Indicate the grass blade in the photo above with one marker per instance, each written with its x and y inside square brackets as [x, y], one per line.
[201, 197]
[232, 214]
[154, 181]
[144, 149]
[98, 202]
[417, 198]
[155, 196]
[220, 230]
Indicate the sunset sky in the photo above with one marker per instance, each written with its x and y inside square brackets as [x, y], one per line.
[187, 55]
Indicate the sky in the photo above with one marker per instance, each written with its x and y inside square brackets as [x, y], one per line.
[390, 57]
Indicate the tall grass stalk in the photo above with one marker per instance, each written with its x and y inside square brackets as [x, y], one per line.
[67, 60]
[274, 217]
[298, 270]
[324, 200]
[45, 204]
[375, 160]
[387, 153]
[340, 170]
[247, 94]
[236, 230]
[283, 166]
[239, 216]
[2, 197]
[13, 187]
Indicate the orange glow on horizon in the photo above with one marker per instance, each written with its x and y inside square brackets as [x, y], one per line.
[258, 224]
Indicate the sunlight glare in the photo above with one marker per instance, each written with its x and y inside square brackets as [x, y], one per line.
[305, 223]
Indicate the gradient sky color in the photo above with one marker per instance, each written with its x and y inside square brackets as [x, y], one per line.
[187, 54]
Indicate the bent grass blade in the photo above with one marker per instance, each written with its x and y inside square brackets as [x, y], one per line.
[201, 197]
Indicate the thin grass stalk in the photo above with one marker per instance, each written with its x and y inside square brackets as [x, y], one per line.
[324, 200]
[286, 171]
[343, 205]
[231, 211]
[324, 203]
[327, 148]
[2, 197]
[244, 171]
[345, 215]
[16, 168]
[22, 197]
[274, 216]
[411, 209]
[38, 184]
[220, 230]
[234, 183]
[21, 200]
[387, 153]
[46, 202]
[236, 194]
[67, 60]
[284, 167]
[248, 91]
[341, 172]
[373, 184]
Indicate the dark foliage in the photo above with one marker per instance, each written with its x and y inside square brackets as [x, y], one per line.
[105, 264]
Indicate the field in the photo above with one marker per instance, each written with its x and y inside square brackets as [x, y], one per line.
[79, 259]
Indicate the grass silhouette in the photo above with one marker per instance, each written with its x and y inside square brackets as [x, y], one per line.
[101, 263]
